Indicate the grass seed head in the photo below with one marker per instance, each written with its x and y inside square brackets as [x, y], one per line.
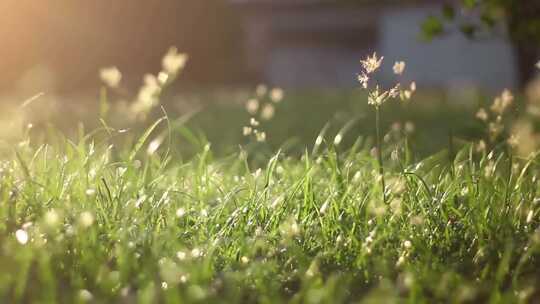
[371, 63]
[111, 76]
[399, 67]
[21, 236]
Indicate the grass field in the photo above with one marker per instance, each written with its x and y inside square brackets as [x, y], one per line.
[186, 210]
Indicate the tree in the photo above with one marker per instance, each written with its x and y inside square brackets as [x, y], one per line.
[519, 19]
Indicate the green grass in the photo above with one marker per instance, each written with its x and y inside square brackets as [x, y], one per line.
[109, 223]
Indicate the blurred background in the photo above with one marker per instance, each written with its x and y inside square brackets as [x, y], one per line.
[454, 50]
[290, 43]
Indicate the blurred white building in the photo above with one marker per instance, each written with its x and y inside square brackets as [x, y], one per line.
[304, 43]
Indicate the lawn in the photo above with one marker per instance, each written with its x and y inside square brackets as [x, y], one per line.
[179, 207]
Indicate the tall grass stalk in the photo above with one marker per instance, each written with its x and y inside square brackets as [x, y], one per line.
[379, 150]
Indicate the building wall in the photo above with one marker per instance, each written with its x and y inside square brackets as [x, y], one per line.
[452, 60]
[323, 47]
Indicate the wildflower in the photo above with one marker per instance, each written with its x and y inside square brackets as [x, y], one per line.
[52, 219]
[276, 95]
[501, 103]
[407, 94]
[371, 64]
[147, 96]
[247, 131]
[407, 244]
[363, 79]
[21, 236]
[253, 122]
[173, 61]
[196, 252]
[244, 259]
[183, 278]
[111, 76]
[394, 92]
[261, 90]
[85, 295]
[399, 67]
[267, 112]
[523, 138]
[377, 98]
[86, 219]
[181, 255]
[252, 106]
[180, 212]
[162, 78]
[260, 136]
[413, 86]
[495, 128]
[507, 97]
[482, 114]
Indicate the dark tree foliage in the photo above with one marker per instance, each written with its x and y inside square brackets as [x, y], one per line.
[519, 19]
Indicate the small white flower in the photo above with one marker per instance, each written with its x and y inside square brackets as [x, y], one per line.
[276, 95]
[407, 244]
[173, 61]
[180, 212]
[247, 131]
[253, 122]
[86, 219]
[52, 219]
[85, 295]
[377, 98]
[363, 79]
[413, 86]
[482, 114]
[261, 90]
[111, 76]
[181, 255]
[252, 106]
[267, 112]
[162, 78]
[371, 64]
[261, 136]
[399, 67]
[196, 252]
[21, 236]
[394, 92]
